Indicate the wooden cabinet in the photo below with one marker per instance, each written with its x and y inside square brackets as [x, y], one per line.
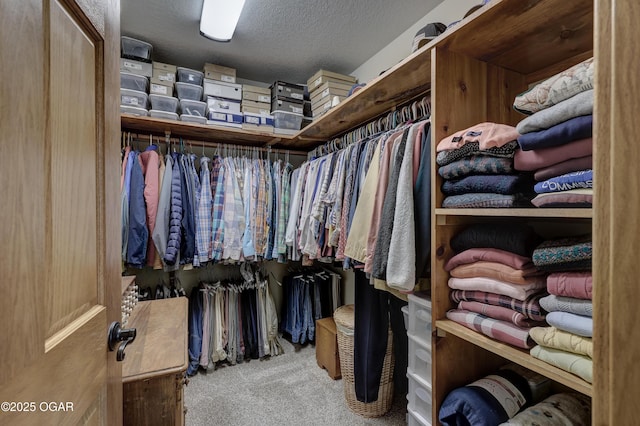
[153, 372]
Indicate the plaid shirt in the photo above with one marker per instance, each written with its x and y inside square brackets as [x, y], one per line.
[500, 330]
[283, 216]
[217, 228]
[233, 213]
[260, 213]
[203, 217]
[530, 307]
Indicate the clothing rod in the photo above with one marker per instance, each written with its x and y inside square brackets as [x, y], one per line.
[144, 137]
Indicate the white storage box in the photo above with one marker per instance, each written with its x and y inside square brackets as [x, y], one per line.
[220, 89]
[133, 98]
[193, 119]
[136, 67]
[287, 120]
[196, 108]
[419, 396]
[164, 75]
[219, 72]
[420, 318]
[419, 358]
[258, 119]
[163, 114]
[134, 82]
[186, 75]
[225, 118]
[223, 105]
[163, 103]
[192, 92]
[125, 109]
[135, 49]
[415, 419]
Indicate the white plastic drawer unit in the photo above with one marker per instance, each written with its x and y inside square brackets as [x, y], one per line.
[420, 358]
[419, 396]
[420, 317]
[415, 419]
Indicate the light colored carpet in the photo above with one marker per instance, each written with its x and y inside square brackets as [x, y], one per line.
[289, 389]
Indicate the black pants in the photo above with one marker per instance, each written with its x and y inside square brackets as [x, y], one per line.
[374, 309]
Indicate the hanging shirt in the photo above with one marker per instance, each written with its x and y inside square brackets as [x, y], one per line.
[161, 231]
[233, 214]
[138, 232]
[283, 216]
[204, 220]
[248, 245]
[217, 226]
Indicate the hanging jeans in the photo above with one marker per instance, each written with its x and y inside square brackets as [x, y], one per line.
[195, 330]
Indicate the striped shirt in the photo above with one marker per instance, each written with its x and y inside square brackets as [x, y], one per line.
[203, 217]
[217, 227]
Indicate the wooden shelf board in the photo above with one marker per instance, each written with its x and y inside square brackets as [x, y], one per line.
[516, 355]
[403, 82]
[524, 36]
[204, 132]
[126, 282]
[552, 213]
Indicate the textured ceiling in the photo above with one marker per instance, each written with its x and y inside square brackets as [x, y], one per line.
[275, 39]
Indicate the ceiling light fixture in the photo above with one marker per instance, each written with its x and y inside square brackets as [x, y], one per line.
[219, 18]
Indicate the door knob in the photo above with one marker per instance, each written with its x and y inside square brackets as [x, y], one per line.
[120, 337]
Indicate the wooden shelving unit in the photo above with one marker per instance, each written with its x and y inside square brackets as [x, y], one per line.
[533, 213]
[516, 355]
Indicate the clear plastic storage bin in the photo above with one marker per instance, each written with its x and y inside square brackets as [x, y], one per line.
[163, 114]
[135, 49]
[419, 358]
[196, 108]
[133, 98]
[134, 82]
[419, 396]
[193, 119]
[186, 75]
[163, 103]
[124, 109]
[189, 91]
[420, 318]
[287, 120]
[415, 419]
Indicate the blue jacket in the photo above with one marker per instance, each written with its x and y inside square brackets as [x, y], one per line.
[175, 216]
[188, 247]
[138, 235]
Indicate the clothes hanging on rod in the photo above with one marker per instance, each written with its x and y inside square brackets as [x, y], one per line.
[367, 205]
[181, 209]
[232, 321]
[308, 296]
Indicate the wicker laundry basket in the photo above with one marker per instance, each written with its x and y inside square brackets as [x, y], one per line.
[344, 318]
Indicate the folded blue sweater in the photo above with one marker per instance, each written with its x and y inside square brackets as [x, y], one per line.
[568, 131]
[574, 180]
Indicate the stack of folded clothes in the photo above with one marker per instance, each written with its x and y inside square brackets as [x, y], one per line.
[477, 167]
[567, 342]
[556, 138]
[494, 282]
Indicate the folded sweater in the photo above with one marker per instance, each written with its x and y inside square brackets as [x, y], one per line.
[477, 164]
[571, 323]
[551, 337]
[495, 184]
[513, 237]
[571, 284]
[571, 130]
[517, 291]
[579, 365]
[545, 157]
[553, 303]
[497, 271]
[530, 307]
[575, 106]
[488, 255]
[575, 180]
[564, 254]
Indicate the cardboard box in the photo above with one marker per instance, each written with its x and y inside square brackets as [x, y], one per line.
[327, 354]
[225, 119]
[136, 67]
[161, 87]
[223, 105]
[164, 67]
[220, 89]
[167, 76]
[324, 105]
[256, 107]
[287, 91]
[324, 76]
[258, 122]
[255, 97]
[220, 73]
[288, 106]
[256, 89]
[328, 89]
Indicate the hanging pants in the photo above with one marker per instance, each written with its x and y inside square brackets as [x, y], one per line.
[374, 310]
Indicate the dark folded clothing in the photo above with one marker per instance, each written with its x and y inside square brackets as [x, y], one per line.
[472, 148]
[495, 184]
[560, 134]
[575, 180]
[486, 200]
[514, 237]
[477, 165]
[564, 254]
